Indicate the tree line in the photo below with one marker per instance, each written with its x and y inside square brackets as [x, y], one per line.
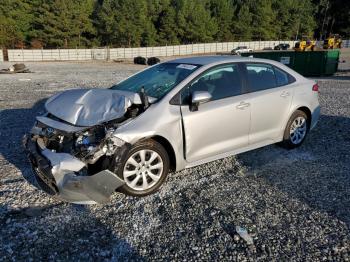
[133, 23]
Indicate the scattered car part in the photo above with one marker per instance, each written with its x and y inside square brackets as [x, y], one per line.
[243, 233]
[16, 68]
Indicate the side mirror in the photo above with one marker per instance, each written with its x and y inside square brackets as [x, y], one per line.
[199, 97]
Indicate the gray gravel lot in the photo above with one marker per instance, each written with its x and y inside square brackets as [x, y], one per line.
[295, 204]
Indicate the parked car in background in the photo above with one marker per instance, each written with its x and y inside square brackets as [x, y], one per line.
[171, 116]
[241, 49]
[282, 46]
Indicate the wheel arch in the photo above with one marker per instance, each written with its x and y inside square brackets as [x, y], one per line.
[168, 147]
[302, 108]
[308, 113]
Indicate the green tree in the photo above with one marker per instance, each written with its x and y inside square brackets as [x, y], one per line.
[63, 23]
[263, 18]
[332, 16]
[241, 24]
[167, 26]
[68, 23]
[195, 22]
[15, 22]
[223, 12]
[124, 23]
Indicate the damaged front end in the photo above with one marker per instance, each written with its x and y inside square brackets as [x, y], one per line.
[78, 163]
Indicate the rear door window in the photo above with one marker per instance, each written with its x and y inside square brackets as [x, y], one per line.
[260, 77]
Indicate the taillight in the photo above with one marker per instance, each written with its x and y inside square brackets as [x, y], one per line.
[315, 87]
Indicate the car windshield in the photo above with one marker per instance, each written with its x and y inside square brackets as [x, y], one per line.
[157, 80]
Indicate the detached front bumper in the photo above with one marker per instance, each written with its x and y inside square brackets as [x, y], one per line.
[59, 174]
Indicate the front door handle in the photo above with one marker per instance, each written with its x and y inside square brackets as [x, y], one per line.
[242, 105]
[285, 94]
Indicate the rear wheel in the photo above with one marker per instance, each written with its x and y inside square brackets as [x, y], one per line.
[296, 130]
[144, 169]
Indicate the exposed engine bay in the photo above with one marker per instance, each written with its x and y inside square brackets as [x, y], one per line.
[67, 154]
[88, 145]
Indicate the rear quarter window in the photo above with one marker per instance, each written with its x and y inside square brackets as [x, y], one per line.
[282, 77]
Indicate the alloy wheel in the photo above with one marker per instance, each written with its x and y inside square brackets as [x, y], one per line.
[298, 130]
[143, 169]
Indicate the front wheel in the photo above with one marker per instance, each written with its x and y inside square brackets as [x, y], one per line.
[296, 130]
[144, 169]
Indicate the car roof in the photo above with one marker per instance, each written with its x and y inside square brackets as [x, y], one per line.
[222, 59]
[206, 60]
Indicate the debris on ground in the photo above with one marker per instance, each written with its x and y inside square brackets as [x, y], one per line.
[243, 233]
[16, 68]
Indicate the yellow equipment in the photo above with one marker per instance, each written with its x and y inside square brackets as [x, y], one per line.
[333, 41]
[305, 45]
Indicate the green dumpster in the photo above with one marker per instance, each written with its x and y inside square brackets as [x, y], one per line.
[310, 63]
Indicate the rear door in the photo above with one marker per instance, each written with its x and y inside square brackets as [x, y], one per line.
[222, 124]
[270, 96]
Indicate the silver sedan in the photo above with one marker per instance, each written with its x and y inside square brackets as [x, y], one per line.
[171, 116]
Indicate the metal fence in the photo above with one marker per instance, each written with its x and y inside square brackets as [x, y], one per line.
[26, 55]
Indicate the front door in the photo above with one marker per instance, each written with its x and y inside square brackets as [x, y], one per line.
[222, 124]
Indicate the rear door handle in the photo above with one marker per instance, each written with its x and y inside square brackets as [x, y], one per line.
[242, 105]
[285, 94]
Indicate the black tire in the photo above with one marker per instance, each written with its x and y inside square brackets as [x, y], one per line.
[144, 145]
[287, 141]
[152, 61]
[140, 60]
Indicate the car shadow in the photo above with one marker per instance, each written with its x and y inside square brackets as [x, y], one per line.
[317, 173]
[15, 123]
[78, 234]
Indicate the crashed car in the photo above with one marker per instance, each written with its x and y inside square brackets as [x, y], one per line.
[92, 142]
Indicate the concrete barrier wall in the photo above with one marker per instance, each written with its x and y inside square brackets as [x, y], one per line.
[25, 55]
[1, 56]
[192, 49]
[346, 43]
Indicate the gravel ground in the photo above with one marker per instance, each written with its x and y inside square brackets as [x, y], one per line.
[294, 204]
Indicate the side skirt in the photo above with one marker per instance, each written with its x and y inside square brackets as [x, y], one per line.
[230, 153]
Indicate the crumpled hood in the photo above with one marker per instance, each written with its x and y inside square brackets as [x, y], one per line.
[89, 107]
